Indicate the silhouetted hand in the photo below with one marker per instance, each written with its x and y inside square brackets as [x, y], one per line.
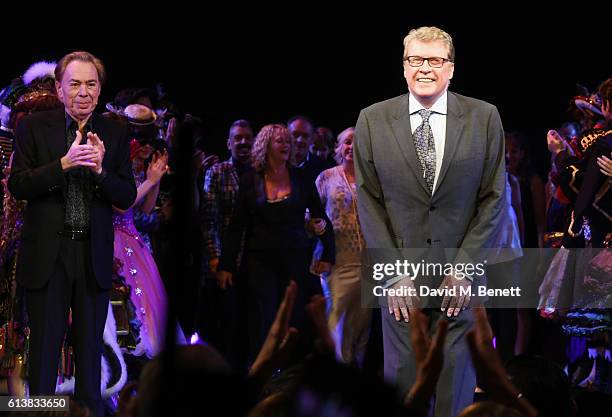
[490, 372]
[280, 340]
[429, 357]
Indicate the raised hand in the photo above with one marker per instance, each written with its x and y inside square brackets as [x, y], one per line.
[171, 132]
[158, 167]
[428, 354]
[79, 155]
[490, 372]
[555, 142]
[280, 340]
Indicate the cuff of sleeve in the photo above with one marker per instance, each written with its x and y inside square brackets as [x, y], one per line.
[392, 281]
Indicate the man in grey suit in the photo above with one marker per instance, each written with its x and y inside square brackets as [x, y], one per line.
[430, 172]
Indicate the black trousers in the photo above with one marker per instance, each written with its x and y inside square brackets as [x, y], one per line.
[71, 286]
[269, 273]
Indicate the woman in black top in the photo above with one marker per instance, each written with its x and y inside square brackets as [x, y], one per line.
[270, 210]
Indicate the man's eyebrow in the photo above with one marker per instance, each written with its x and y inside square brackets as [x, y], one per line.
[72, 80]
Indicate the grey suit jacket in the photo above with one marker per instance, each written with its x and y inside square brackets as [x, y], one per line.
[395, 207]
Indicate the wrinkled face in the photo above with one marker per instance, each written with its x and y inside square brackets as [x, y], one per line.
[302, 133]
[426, 83]
[79, 89]
[347, 148]
[319, 148]
[279, 148]
[240, 143]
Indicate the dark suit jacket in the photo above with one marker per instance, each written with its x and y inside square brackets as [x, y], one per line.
[396, 209]
[37, 177]
[269, 228]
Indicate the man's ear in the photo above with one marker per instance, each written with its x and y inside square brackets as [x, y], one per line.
[58, 89]
[229, 144]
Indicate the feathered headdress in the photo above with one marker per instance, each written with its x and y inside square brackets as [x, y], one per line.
[41, 71]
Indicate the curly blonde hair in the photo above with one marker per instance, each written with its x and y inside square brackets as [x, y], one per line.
[341, 140]
[259, 153]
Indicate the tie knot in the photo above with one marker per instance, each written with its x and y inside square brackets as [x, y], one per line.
[424, 113]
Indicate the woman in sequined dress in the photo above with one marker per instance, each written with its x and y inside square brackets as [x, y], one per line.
[138, 265]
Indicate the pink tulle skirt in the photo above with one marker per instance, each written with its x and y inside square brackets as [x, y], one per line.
[148, 292]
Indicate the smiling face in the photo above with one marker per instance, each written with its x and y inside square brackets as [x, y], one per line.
[347, 147]
[279, 149]
[79, 89]
[425, 83]
[240, 143]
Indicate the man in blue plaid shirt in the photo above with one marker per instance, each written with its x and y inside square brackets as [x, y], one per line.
[222, 305]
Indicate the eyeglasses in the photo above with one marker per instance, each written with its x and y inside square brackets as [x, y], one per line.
[434, 61]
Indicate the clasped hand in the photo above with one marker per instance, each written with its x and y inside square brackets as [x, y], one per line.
[89, 155]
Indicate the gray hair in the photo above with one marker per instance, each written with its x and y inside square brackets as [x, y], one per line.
[431, 34]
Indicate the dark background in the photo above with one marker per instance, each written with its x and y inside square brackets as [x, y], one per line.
[266, 65]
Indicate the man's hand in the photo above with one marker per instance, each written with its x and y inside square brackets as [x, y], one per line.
[453, 305]
[98, 145]
[399, 305]
[224, 279]
[80, 155]
[555, 142]
[428, 354]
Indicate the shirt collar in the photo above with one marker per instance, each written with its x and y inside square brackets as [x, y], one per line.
[440, 106]
[71, 123]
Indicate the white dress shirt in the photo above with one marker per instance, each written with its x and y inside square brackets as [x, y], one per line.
[437, 121]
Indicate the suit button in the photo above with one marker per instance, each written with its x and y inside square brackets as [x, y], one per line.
[432, 208]
[429, 241]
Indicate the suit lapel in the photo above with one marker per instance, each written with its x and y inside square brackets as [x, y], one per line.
[56, 135]
[454, 130]
[403, 135]
[56, 138]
